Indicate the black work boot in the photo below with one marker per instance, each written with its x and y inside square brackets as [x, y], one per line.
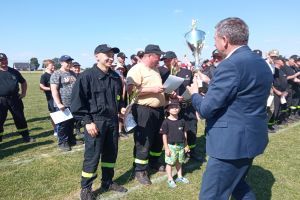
[87, 194]
[142, 177]
[107, 186]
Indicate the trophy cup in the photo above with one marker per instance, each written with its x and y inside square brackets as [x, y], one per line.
[195, 41]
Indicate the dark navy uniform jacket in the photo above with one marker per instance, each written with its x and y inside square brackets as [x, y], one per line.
[235, 106]
[97, 95]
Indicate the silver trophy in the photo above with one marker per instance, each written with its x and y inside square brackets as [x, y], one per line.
[195, 40]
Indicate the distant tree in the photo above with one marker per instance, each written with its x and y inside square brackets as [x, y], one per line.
[57, 65]
[34, 63]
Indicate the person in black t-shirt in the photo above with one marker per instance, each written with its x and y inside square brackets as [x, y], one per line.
[45, 86]
[175, 143]
[11, 100]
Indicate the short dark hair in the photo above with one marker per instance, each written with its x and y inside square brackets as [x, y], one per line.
[235, 29]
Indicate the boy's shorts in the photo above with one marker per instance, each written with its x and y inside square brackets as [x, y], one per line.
[177, 153]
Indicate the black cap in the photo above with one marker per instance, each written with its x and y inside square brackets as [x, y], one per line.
[169, 55]
[133, 57]
[76, 64]
[216, 53]
[295, 57]
[140, 54]
[103, 48]
[152, 48]
[122, 55]
[65, 58]
[258, 52]
[280, 57]
[3, 56]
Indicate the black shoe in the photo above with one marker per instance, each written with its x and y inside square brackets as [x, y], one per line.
[157, 167]
[87, 194]
[64, 146]
[0, 138]
[113, 186]
[77, 142]
[28, 139]
[142, 178]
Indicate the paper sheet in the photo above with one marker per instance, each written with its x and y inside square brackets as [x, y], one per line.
[186, 95]
[172, 83]
[61, 116]
[270, 100]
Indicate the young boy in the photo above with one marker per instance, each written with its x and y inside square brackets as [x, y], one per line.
[175, 143]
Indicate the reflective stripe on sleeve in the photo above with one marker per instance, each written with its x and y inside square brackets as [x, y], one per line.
[88, 175]
[108, 165]
[157, 154]
[138, 161]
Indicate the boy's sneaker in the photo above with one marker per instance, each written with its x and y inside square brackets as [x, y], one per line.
[182, 180]
[171, 184]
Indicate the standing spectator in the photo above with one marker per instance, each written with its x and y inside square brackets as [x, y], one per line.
[235, 109]
[11, 100]
[148, 112]
[96, 98]
[45, 86]
[133, 60]
[61, 83]
[75, 67]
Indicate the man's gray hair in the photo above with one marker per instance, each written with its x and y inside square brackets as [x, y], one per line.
[235, 29]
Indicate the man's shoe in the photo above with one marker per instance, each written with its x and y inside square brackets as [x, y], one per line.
[77, 142]
[28, 139]
[0, 138]
[157, 167]
[87, 194]
[113, 186]
[142, 178]
[64, 146]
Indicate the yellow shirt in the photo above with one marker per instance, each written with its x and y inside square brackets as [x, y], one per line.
[143, 76]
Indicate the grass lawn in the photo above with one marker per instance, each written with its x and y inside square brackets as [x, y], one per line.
[41, 171]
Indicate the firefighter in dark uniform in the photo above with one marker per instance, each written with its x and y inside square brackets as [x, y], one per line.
[148, 112]
[96, 99]
[11, 100]
[280, 89]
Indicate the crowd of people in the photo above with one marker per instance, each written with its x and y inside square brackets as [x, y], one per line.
[239, 88]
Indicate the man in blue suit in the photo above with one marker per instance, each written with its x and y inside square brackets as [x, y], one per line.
[235, 110]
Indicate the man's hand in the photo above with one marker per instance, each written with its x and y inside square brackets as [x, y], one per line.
[186, 149]
[61, 107]
[194, 87]
[92, 129]
[203, 77]
[21, 96]
[158, 89]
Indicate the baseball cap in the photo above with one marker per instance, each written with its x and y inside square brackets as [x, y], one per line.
[152, 48]
[169, 55]
[258, 52]
[172, 102]
[140, 54]
[280, 57]
[122, 55]
[295, 57]
[65, 58]
[2, 56]
[103, 48]
[76, 64]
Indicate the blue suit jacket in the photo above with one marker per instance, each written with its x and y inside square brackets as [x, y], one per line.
[235, 106]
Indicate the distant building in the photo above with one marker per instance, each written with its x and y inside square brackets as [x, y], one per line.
[23, 67]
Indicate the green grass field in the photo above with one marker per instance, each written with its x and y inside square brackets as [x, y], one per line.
[40, 171]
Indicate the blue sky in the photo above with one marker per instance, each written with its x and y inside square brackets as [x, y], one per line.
[48, 29]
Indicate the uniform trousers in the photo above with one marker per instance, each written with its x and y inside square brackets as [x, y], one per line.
[147, 138]
[105, 147]
[15, 105]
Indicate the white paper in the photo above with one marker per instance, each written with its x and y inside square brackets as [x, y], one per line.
[129, 122]
[172, 83]
[199, 82]
[61, 116]
[270, 100]
[186, 95]
[282, 100]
